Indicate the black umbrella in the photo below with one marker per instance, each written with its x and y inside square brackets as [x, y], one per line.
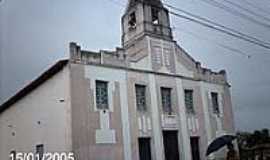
[219, 143]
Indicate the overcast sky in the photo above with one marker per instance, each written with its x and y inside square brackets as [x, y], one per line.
[35, 33]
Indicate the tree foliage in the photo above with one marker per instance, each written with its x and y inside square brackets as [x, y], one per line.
[248, 140]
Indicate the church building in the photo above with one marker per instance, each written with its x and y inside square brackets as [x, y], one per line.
[148, 100]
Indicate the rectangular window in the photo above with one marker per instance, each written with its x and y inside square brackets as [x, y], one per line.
[189, 101]
[102, 95]
[166, 99]
[140, 97]
[132, 20]
[12, 155]
[155, 12]
[145, 148]
[214, 97]
[40, 151]
[195, 148]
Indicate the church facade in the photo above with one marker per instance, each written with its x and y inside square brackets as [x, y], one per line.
[149, 100]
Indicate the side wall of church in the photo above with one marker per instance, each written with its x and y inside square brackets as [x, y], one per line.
[42, 117]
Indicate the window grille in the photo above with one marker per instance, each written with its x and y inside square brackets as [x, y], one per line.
[102, 95]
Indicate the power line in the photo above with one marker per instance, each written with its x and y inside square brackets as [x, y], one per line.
[214, 42]
[247, 10]
[236, 13]
[216, 24]
[257, 7]
[222, 30]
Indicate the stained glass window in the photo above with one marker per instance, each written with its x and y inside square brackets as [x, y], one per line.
[102, 95]
[141, 97]
[166, 100]
[189, 101]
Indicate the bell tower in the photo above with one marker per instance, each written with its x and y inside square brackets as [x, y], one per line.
[145, 17]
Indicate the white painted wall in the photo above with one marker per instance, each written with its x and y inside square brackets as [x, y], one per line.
[183, 120]
[43, 104]
[206, 89]
[158, 142]
[142, 64]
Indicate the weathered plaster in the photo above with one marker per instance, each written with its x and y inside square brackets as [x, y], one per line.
[42, 117]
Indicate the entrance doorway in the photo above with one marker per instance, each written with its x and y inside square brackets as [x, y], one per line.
[170, 140]
[195, 148]
[145, 148]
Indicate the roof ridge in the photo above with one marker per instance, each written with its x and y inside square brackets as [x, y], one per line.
[51, 71]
